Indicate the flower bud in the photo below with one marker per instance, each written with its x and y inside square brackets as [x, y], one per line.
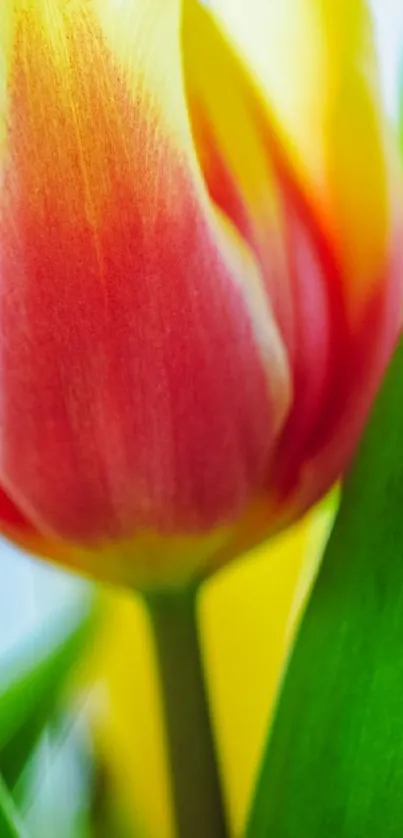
[199, 289]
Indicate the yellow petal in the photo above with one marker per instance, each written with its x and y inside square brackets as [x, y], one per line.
[232, 138]
[249, 616]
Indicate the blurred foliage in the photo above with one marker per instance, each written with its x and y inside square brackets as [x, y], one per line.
[31, 683]
[10, 823]
[55, 791]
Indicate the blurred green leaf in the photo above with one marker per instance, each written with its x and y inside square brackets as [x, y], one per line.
[56, 789]
[10, 824]
[333, 767]
[31, 684]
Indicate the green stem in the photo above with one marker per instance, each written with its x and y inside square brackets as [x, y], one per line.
[198, 805]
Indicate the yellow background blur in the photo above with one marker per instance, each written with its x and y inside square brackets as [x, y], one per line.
[247, 613]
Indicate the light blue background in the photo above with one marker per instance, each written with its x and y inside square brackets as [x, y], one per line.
[388, 15]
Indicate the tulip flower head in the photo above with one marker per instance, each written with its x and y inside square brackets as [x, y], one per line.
[199, 290]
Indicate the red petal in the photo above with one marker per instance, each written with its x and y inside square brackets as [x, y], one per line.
[10, 515]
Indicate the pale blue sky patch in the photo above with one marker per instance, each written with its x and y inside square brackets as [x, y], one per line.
[388, 16]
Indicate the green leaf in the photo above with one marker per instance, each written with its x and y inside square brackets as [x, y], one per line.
[57, 786]
[31, 684]
[10, 824]
[333, 766]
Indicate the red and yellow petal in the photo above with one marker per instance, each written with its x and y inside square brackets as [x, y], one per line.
[339, 217]
[148, 560]
[251, 179]
[144, 379]
[316, 63]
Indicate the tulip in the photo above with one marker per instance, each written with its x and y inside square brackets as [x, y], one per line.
[199, 280]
